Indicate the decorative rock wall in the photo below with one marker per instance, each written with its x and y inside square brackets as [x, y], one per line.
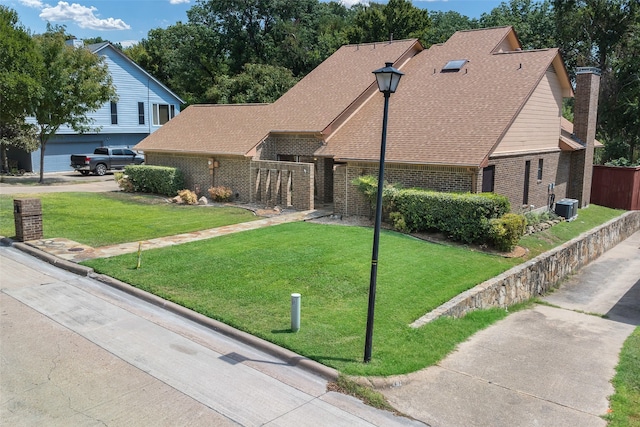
[540, 274]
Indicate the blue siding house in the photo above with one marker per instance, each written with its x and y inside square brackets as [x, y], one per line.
[144, 105]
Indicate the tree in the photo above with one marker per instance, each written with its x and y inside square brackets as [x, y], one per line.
[605, 34]
[75, 81]
[258, 83]
[19, 88]
[444, 24]
[398, 19]
[18, 135]
[533, 21]
[186, 57]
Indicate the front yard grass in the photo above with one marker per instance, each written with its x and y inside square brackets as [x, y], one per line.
[245, 280]
[101, 219]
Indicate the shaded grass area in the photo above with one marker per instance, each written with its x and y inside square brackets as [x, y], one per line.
[245, 280]
[625, 403]
[100, 219]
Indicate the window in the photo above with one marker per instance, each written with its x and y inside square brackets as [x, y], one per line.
[540, 165]
[162, 113]
[140, 113]
[114, 113]
[527, 172]
[454, 66]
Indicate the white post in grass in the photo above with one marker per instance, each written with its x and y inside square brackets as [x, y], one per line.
[295, 312]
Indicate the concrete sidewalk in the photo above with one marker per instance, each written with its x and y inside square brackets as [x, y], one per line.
[545, 366]
[77, 352]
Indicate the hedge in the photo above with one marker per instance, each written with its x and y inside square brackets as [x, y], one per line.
[155, 179]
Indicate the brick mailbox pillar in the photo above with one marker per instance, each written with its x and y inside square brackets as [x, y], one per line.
[27, 214]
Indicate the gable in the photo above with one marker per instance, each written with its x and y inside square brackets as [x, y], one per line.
[537, 126]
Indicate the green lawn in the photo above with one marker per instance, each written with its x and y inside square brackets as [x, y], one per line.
[625, 403]
[100, 219]
[245, 280]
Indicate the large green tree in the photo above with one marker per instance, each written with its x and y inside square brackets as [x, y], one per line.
[605, 34]
[444, 24]
[398, 19]
[76, 82]
[533, 21]
[258, 83]
[19, 85]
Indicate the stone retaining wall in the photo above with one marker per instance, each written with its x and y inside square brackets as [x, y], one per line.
[539, 275]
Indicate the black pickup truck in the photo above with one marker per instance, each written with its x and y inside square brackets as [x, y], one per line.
[105, 159]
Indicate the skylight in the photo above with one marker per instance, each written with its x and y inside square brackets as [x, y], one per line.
[453, 66]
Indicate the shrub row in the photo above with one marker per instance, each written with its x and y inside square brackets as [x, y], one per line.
[154, 179]
[471, 218]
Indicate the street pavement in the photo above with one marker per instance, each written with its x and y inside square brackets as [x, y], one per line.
[546, 366]
[75, 351]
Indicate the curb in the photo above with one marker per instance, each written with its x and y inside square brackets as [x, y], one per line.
[283, 354]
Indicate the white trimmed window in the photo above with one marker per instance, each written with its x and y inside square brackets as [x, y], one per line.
[162, 113]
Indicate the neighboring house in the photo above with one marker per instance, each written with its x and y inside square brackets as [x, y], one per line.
[474, 114]
[144, 105]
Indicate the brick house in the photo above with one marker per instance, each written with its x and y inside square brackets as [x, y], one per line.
[476, 113]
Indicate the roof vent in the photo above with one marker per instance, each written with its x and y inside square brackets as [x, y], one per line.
[454, 66]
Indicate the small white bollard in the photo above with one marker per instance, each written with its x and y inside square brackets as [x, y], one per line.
[295, 312]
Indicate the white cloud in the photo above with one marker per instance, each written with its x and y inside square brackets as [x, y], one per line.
[349, 3]
[129, 43]
[83, 16]
[32, 3]
[178, 1]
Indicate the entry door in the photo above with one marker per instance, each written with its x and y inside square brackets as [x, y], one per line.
[488, 177]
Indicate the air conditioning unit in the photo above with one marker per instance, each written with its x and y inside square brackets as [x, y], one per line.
[567, 208]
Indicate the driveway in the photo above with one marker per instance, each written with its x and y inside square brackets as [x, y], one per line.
[546, 366]
[58, 182]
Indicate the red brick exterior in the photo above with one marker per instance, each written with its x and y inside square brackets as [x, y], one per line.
[585, 112]
[509, 178]
[27, 219]
[348, 200]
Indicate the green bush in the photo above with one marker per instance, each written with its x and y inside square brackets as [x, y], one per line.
[220, 194]
[506, 231]
[155, 179]
[464, 217]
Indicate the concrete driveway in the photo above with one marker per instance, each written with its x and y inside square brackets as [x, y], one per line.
[546, 366]
[58, 182]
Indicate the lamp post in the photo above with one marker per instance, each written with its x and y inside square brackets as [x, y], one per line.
[388, 79]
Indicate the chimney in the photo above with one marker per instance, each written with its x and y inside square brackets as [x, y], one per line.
[75, 43]
[585, 114]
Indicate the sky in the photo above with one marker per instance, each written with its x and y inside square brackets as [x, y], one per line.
[128, 21]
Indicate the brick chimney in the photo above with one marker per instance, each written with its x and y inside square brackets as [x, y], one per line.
[585, 114]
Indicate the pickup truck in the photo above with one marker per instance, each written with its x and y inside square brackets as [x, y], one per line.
[105, 159]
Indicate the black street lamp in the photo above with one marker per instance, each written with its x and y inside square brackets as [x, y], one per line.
[388, 79]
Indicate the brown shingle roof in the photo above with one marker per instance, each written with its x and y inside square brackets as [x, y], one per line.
[453, 118]
[212, 129]
[311, 105]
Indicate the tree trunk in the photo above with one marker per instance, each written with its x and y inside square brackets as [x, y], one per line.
[5, 161]
[43, 142]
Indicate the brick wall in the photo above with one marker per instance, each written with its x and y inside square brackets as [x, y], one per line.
[540, 274]
[195, 169]
[509, 178]
[584, 127]
[27, 219]
[348, 200]
[283, 184]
